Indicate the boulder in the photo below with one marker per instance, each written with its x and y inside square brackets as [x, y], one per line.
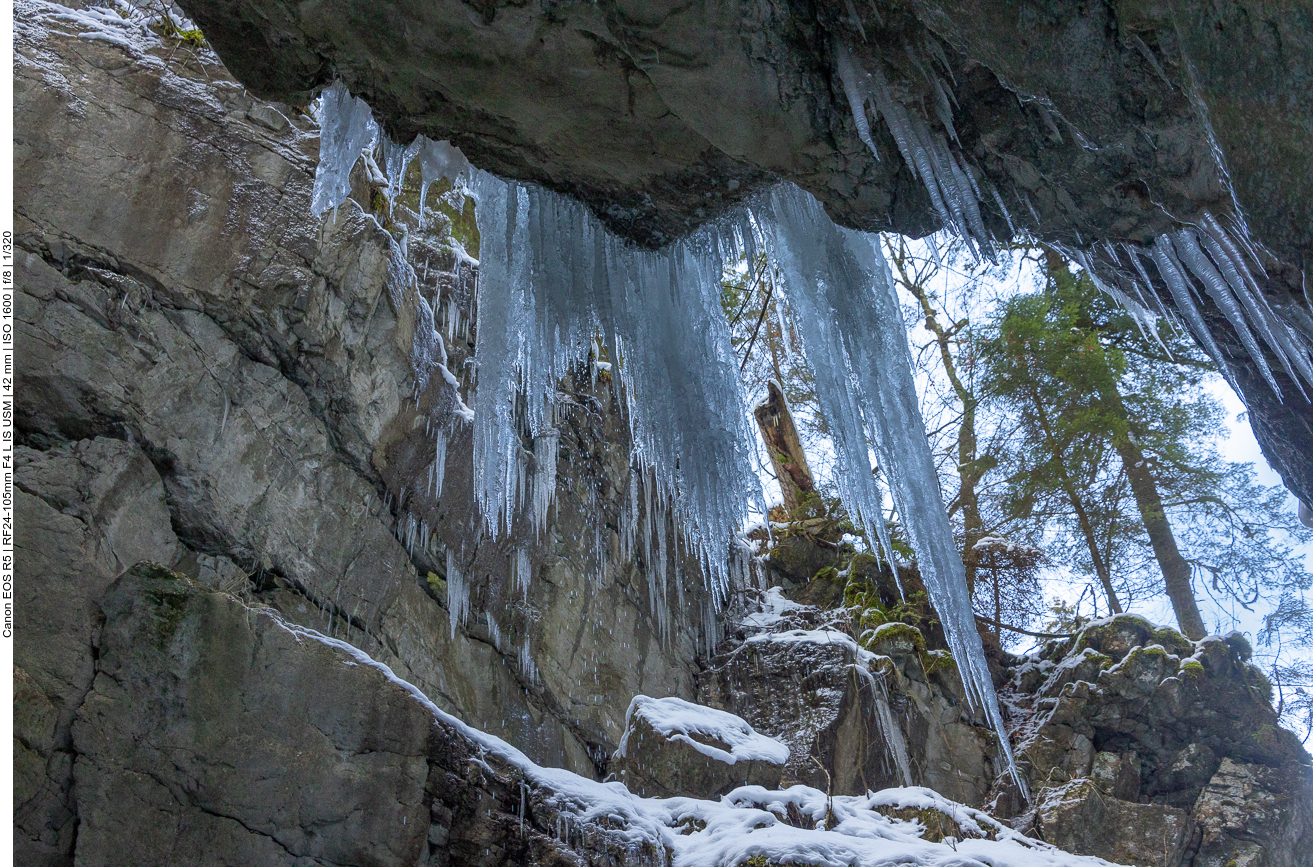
[855, 719]
[674, 747]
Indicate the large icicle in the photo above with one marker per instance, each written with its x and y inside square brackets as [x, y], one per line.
[346, 127]
[551, 278]
[856, 343]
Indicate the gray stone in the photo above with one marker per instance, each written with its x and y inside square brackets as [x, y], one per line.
[1079, 818]
[214, 734]
[84, 512]
[1117, 775]
[656, 766]
[1251, 815]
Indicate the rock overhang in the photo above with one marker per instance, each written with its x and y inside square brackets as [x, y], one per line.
[1082, 123]
[1091, 122]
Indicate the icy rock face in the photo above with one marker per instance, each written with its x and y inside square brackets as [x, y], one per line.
[1080, 125]
[553, 280]
[257, 362]
[674, 747]
[1145, 748]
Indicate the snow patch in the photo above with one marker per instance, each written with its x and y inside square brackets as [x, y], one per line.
[683, 721]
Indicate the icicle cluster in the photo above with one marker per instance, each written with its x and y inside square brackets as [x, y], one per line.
[551, 280]
[954, 191]
[1208, 255]
[1205, 260]
[458, 594]
[856, 344]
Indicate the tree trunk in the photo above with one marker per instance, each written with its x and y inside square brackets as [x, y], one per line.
[1175, 569]
[785, 448]
[1077, 505]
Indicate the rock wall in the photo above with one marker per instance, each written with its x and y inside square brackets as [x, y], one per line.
[1134, 744]
[213, 733]
[213, 381]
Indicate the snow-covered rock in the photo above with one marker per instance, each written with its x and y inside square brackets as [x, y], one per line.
[674, 747]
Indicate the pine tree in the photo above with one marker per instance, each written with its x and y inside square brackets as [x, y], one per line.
[1116, 448]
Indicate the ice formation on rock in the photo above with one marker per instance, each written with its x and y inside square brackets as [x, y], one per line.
[1206, 260]
[856, 345]
[954, 192]
[346, 127]
[553, 283]
[458, 594]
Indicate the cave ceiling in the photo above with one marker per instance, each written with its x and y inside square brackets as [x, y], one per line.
[1111, 121]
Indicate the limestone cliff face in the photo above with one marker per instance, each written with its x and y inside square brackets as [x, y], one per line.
[1093, 121]
[214, 733]
[211, 380]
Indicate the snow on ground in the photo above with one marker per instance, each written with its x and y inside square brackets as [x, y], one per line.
[752, 822]
[684, 721]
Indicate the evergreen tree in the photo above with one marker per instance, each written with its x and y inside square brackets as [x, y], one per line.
[1116, 451]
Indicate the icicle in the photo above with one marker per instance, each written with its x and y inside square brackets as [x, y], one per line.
[840, 285]
[998, 200]
[551, 278]
[853, 90]
[439, 470]
[1179, 288]
[544, 477]
[458, 594]
[1279, 336]
[893, 734]
[523, 570]
[953, 190]
[629, 520]
[346, 127]
[527, 667]
[396, 159]
[1187, 248]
